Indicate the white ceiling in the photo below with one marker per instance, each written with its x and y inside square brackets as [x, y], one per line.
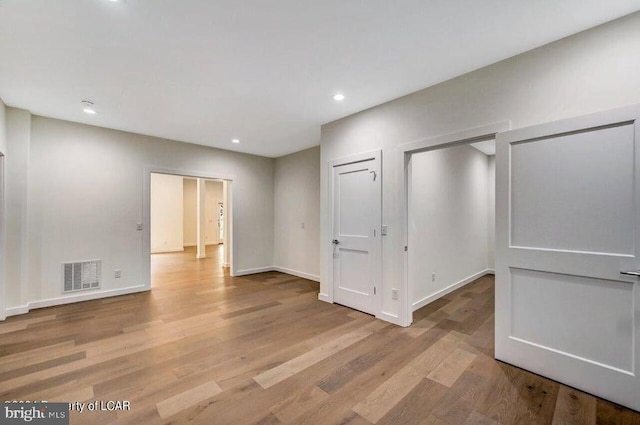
[264, 72]
[488, 147]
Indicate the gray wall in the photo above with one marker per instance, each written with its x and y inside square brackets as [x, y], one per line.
[297, 201]
[16, 197]
[491, 216]
[83, 187]
[3, 127]
[592, 71]
[448, 219]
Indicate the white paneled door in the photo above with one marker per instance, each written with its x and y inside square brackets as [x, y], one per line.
[356, 234]
[568, 241]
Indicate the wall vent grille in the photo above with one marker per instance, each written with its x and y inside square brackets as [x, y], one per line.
[81, 275]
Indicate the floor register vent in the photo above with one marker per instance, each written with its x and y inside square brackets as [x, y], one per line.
[81, 276]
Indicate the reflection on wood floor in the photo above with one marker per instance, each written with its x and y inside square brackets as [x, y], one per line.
[206, 348]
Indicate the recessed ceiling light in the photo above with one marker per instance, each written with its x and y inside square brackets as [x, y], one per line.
[236, 141]
[338, 97]
[87, 107]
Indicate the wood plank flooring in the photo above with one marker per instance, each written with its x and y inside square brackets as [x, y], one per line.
[205, 348]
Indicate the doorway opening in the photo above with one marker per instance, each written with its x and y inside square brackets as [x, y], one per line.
[188, 225]
[213, 215]
[451, 200]
[448, 215]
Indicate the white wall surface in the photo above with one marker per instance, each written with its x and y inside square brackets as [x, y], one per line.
[190, 213]
[167, 204]
[448, 217]
[17, 271]
[86, 196]
[297, 201]
[591, 71]
[212, 197]
[3, 127]
[491, 213]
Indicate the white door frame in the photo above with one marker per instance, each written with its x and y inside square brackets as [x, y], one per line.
[3, 248]
[146, 214]
[405, 310]
[375, 155]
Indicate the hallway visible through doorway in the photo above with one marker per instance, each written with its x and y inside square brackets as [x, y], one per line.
[190, 216]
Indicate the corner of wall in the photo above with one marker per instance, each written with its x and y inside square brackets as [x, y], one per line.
[18, 151]
[297, 213]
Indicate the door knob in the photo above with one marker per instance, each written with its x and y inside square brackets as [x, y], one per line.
[336, 242]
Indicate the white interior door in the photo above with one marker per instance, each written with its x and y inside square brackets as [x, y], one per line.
[568, 224]
[356, 235]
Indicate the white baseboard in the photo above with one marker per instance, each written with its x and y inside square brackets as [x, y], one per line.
[165, 251]
[14, 311]
[277, 269]
[325, 298]
[388, 317]
[441, 293]
[254, 271]
[191, 245]
[491, 271]
[297, 273]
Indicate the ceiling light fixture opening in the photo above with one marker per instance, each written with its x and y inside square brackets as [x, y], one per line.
[339, 97]
[236, 141]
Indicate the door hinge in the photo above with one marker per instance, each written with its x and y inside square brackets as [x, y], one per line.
[374, 233]
[374, 290]
[406, 248]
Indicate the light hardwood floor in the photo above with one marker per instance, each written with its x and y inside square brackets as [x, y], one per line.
[206, 348]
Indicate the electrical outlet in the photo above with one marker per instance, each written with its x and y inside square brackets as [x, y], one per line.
[433, 277]
[394, 294]
[139, 226]
[117, 273]
[384, 230]
[302, 225]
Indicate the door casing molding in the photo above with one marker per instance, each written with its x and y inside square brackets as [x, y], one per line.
[404, 152]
